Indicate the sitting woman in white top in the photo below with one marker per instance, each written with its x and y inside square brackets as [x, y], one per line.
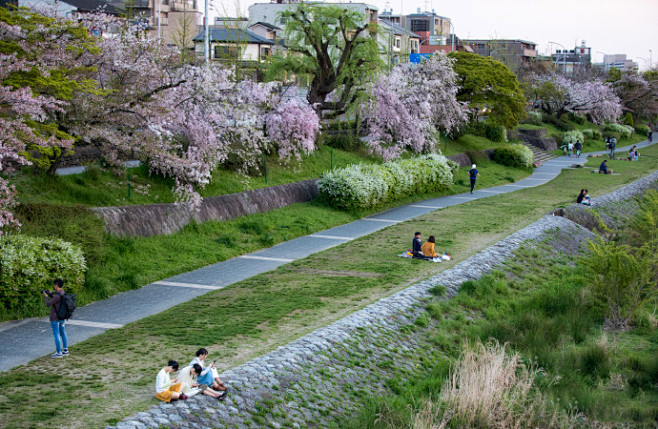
[164, 389]
[209, 374]
[191, 387]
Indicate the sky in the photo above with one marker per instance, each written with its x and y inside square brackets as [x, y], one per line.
[607, 26]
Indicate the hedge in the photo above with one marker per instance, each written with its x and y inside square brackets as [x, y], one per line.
[370, 185]
[625, 131]
[29, 265]
[642, 130]
[592, 134]
[514, 155]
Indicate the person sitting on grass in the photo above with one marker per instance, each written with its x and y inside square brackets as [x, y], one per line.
[191, 387]
[603, 168]
[164, 389]
[583, 198]
[633, 154]
[428, 248]
[416, 246]
[208, 374]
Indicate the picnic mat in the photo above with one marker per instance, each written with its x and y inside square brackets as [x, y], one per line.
[439, 258]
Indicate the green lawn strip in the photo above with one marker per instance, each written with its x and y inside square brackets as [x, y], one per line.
[97, 188]
[547, 317]
[261, 313]
[119, 264]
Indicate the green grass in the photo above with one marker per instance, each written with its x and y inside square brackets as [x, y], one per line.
[257, 315]
[120, 264]
[95, 187]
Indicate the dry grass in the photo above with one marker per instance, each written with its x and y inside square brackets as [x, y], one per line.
[489, 388]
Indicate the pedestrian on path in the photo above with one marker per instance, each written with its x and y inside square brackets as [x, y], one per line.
[579, 147]
[612, 145]
[54, 300]
[473, 174]
[650, 136]
[570, 148]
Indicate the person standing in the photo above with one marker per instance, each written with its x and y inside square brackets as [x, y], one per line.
[650, 135]
[54, 300]
[613, 145]
[473, 174]
[579, 147]
[570, 148]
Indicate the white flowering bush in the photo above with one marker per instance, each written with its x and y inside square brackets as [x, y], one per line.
[369, 185]
[514, 155]
[625, 131]
[29, 265]
[572, 137]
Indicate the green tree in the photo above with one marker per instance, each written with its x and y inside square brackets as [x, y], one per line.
[488, 85]
[332, 45]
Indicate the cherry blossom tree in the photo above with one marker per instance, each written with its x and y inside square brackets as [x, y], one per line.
[596, 98]
[638, 94]
[409, 105]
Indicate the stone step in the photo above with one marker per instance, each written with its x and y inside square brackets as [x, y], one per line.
[539, 154]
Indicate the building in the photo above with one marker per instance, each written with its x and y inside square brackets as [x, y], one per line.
[172, 20]
[432, 29]
[396, 42]
[620, 62]
[569, 62]
[230, 44]
[514, 53]
[270, 13]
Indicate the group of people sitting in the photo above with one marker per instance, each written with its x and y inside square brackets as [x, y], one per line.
[423, 250]
[195, 378]
[583, 198]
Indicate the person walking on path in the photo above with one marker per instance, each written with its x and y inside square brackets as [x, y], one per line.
[613, 144]
[650, 136]
[473, 174]
[54, 300]
[579, 147]
[570, 148]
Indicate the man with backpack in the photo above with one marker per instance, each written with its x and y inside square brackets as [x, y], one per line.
[54, 301]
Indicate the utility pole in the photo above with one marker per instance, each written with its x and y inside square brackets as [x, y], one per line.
[206, 36]
[159, 15]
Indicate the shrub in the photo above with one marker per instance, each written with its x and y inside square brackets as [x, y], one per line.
[592, 134]
[564, 125]
[346, 142]
[642, 130]
[515, 155]
[552, 118]
[625, 131]
[477, 129]
[628, 119]
[572, 137]
[368, 185]
[534, 118]
[30, 264]
[495, 133]
[576, 118]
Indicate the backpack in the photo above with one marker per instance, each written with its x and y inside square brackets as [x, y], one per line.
[66, 306]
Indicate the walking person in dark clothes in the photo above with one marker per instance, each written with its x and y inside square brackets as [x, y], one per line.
[473, 174]
[54, 300]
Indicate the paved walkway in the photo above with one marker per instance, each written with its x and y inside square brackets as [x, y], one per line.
[26, 340]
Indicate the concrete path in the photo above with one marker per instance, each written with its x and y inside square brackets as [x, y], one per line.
[26, 340]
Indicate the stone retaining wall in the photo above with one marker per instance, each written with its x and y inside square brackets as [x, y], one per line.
[537, 138]
[157, 219]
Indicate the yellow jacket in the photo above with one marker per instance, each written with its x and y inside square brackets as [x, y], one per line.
[428, 249]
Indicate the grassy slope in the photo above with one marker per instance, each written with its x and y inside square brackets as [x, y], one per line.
[120, 264]
[259, 314]
[547, 316]
[104, 188]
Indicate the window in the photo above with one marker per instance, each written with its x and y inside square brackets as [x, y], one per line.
[224, 52]
[264, 52]
[419, 25]
[397, 42]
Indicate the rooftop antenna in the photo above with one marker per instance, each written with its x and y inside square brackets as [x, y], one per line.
[426, 3]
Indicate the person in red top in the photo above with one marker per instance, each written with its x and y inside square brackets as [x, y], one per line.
[53, 300]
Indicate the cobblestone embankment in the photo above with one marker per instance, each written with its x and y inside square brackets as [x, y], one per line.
[323, 376]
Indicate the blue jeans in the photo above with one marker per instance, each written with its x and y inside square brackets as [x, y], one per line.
[59, 330]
